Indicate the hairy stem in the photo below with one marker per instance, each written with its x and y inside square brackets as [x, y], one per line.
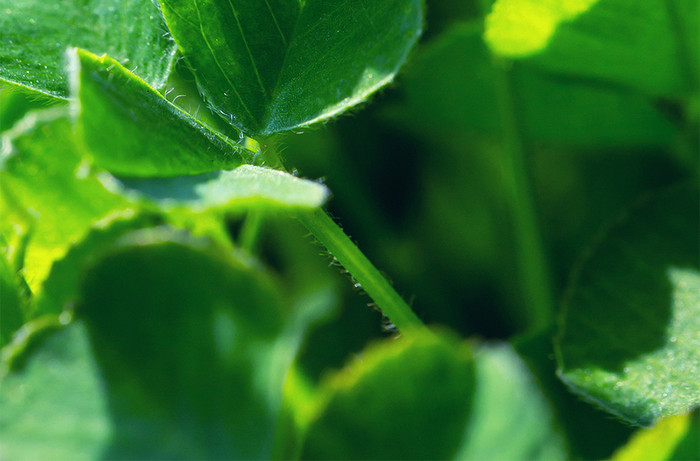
[326, 231]
[356, 263]
[531, 263]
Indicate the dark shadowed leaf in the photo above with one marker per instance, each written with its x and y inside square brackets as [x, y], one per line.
[630, 330]
[34, 36]
[271, 65]
[132, 130]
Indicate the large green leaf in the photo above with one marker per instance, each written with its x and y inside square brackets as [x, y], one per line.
[34, 36]
[406, 399]
[271, 65]
[132, 130]
[650, 45]
[184, 362]
[452, 87]
[247, 186]
[46, 184]
[629, 331]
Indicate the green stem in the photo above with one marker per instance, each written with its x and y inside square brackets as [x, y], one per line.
[355, 262]
[365, 274]
[532, 265]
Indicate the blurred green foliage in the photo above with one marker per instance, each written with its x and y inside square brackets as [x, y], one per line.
[491, 182]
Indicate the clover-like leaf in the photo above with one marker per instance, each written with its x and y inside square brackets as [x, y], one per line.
[34, 36]
[630, 330]
[272, 65]
[132, 130]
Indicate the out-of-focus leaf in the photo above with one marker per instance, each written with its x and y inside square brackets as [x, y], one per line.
[182, 373]
[650, 45]
[247, 186]
[656, 443]
[11, 309]
[43, 178]
[630, 330]
[510, 417]
[191, 371]
[55, 405]
[16, 101]
[34, 36]
[61, 288]
[270, 65]
[132, 130]
[452, 85]
[406, 399]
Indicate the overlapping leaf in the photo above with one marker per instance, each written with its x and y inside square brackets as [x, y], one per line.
[132, 130]
[34, 36]
[630, 338]
[271, 65]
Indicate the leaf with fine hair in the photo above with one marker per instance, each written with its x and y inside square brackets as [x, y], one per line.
[630, 329]
[34, 36]
[273, 65]
[132, 130]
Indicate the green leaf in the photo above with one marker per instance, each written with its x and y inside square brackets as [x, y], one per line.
[36, 34]
[55, 406]
[132, 130]
[245, 187]
[553, 110]
[405, 399]
[171, 370]
[45, 182]
[650, 45]
[271, 65]
[11, 302]
[629, 329]
[508, 406]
